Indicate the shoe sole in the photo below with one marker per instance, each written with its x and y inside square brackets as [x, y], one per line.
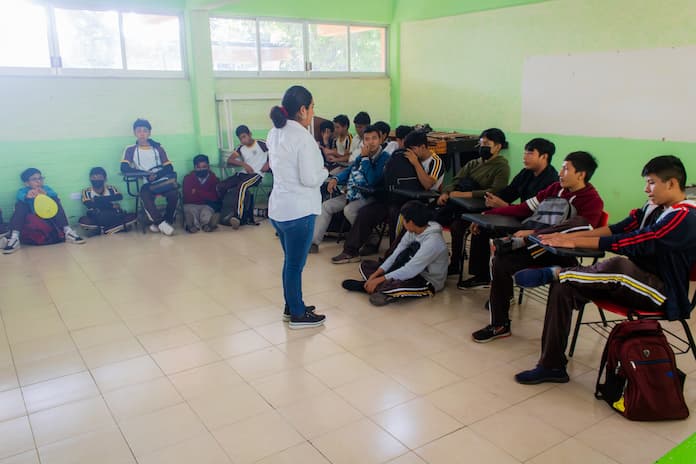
[346, 261]
[304, 325]
[544, 380]
[286, 318]
[475, 287]
[494, 337]
[5, 252]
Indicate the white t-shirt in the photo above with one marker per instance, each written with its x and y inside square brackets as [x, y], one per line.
[298, 172]
[355, 147]
[434, 167]
[146, 159]
[255, 156]
[390, 147]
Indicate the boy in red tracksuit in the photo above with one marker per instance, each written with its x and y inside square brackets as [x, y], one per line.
[575, 173]
[201, 199]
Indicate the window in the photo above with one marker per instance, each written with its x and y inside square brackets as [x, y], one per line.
[24, 36]
[65, 40]
[243, 46]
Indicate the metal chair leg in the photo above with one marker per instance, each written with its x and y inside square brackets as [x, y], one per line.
[689, 337]
[576, 332]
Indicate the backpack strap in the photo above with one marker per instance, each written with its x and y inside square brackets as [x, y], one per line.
[602, 365]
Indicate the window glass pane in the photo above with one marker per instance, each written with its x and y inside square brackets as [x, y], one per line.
[23, 36]
[368, 49]
[152, 42]
[281, 46]
[89, 39]
[234, 44]
[328, 47]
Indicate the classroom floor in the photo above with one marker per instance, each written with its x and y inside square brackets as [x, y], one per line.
[152, 349]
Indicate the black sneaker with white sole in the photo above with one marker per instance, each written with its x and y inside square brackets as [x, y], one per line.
[474, 282]
[490, 333]
[11, 245]
[307, 320]
[286, 312]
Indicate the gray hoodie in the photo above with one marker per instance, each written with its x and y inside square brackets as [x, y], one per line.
[430, 261]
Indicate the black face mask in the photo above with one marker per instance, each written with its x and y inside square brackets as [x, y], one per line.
[202, 173]
[485, 152]
[97, 184]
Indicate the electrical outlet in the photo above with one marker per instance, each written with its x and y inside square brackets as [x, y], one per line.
[76, 196]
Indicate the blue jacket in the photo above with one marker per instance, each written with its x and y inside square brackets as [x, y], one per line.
[22, 195]
[366, 172]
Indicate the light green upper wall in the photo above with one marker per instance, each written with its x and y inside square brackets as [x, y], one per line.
[479, 86]
[371, 11]
[410, 10]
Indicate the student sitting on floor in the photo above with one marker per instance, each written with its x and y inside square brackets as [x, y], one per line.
[653, 275]
[339, 151]
[389, 146]
[536, 175]
[512, 255]
[416, 268]
[361, 121]
[366, 171]
[201, 197]
[429, 171]
[489, 173]
[146, 155]
[104, 212]
[37, 227]
[251, 155]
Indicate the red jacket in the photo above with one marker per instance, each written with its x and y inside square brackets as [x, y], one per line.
[196, 193]
[586, 201]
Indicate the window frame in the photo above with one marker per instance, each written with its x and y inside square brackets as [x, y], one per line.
[306, 74]
[53, 49]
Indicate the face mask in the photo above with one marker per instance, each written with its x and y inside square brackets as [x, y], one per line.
[202, 173]
[485, 152]
[97, 184]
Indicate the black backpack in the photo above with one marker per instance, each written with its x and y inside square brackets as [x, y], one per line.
[399, 173]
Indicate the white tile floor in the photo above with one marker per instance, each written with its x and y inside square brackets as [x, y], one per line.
[152, 349]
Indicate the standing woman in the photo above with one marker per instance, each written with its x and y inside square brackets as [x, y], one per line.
[298, 173]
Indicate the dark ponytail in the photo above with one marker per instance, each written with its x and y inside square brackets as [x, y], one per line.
[294, 99]
[496, 136]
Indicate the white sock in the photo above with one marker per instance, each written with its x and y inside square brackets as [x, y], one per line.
[67, 230]
[15, 234]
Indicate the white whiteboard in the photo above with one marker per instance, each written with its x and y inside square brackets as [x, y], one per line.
[641, 94]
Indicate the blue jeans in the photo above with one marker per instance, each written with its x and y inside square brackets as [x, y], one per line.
[296, 239]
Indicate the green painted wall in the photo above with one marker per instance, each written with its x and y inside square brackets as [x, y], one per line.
[465, 72]
[371, 11]
[410, 10]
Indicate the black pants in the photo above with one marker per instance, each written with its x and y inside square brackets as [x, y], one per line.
[578, 285]
[234, 193]
[415, 287]
[148, 199]
[369, 217]
[19, 217]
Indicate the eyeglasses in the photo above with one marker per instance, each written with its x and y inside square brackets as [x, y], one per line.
[36, 179]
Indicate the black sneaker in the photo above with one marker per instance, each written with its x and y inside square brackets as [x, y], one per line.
[353, 285]
[314, 249]
[344, 258]
[490, 333]
[542, 374]
[369, 249]
[474, 282]
[501, 246]
[307, 320]
[286, 312]
[10, 245]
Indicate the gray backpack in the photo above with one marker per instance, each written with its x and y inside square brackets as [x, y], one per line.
[550, 212]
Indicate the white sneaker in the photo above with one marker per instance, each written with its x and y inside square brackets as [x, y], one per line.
[11, 245]
[154, 228]
[165, 228]
[3, 242]
[72, 237]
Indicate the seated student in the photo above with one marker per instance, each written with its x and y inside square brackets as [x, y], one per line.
[326, 130]
[251, 154]
[385, 130]
[339, 151]
[653, 275]
[146, 155]
[430, 172]
[416, 268]
[103, 209]
[27, 227]
[574, 186]
[400, 134]
[489, 173]
[536, 175]
[366, 171]
[361, 121]
[200, 197]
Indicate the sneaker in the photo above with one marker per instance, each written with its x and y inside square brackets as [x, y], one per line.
[474, 282]
[369, 249]
[212, 225]
[541, 374]
[154, 228]
[490, 333]
[286, 312]
[380, 299]
[192, 229]
[232, 221]
[501, 246]
[344, 258]
[307, 320]
[353, 285]
[165, 228]
[72, 237]
[314, 249]
[535, 277]
[11, 245]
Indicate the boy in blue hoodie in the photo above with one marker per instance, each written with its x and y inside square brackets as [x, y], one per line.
[416, 268]
[31, 228]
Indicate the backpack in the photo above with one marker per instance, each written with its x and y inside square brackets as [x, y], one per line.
[550, 212]
[642, 380]
[399, 173]
[37, 231]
